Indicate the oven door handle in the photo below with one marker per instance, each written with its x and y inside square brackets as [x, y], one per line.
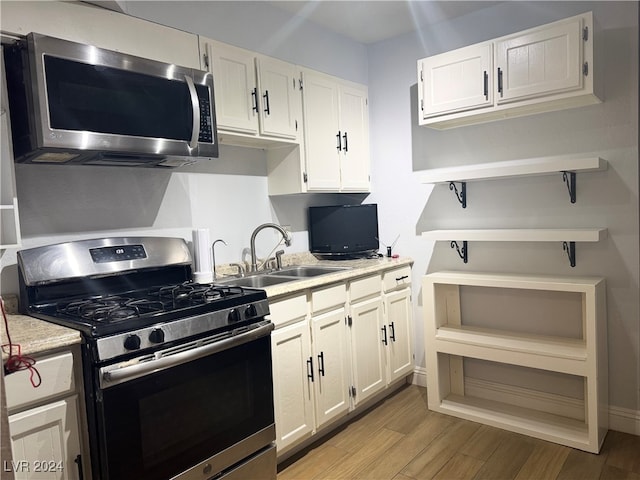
[109, 378]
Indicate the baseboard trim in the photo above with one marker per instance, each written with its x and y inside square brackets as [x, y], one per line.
[620, 419]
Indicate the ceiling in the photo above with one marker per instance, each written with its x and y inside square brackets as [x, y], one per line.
[375, 20]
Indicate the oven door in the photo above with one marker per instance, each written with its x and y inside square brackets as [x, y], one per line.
[189, 413]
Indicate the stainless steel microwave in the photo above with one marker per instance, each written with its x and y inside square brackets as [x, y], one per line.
[72, 103]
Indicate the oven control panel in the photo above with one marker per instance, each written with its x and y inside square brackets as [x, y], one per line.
[117, 253]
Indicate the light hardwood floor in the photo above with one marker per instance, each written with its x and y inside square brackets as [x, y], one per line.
[401, 439]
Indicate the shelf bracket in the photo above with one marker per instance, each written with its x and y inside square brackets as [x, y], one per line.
[462, 194]
[570, 179]
[461, 251]
[570, 248]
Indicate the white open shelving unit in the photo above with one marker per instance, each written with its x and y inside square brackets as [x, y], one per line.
[449, 341]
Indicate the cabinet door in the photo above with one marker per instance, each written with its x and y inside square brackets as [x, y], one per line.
[292, 388]
[456, 81]
[368, 349]
[542, 62]
[278, 90]
[234, 75]
[331, 364]
[320, 109]
[45, 441]
[354, 128]
[400, 343]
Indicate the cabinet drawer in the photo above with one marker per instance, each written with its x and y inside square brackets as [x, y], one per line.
[326, 298]
[398, 278]
[56, 373]
[365, 287]
[288, 310]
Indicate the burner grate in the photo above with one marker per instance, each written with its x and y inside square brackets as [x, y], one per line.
[110, 308]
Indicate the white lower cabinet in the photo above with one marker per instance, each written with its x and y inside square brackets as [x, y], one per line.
[368, 349]
[292, 388]
[396, 285]
[336, 347]
[44, 422]
[330, 366]
[45, 441]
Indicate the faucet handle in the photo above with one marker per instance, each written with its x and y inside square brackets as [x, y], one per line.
[279, 254]
[240, 267]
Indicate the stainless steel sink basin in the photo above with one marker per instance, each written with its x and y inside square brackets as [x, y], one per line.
[257, 281]
[305, 271]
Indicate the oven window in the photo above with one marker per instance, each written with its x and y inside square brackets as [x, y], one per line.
[159, 425]
[108, 100]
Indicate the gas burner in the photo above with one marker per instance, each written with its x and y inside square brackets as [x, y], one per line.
[189, 293]
[109, 309]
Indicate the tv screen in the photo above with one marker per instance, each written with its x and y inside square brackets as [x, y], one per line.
[344, 231]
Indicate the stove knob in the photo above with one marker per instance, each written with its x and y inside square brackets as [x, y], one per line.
[132, 342]
[234, 315]
[156, 335]
[251, 311]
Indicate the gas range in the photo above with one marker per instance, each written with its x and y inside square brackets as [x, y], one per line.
[177, 375]
[130, 294]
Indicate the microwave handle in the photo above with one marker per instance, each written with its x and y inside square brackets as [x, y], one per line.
[195, 104]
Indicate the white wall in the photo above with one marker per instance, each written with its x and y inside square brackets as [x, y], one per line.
[57, 204]
[401, 149]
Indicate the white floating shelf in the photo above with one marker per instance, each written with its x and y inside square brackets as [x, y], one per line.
[513, 168]
[520, 235]
[568, 237]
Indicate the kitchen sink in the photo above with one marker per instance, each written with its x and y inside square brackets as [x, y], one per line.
[257, 281]
[288, 274]
[307, 271]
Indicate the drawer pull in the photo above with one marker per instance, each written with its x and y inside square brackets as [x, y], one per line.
[404, 277]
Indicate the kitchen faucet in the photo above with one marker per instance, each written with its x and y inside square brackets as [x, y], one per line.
[213, 255]
[285, 235]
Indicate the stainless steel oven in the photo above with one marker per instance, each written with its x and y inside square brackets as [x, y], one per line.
[177, 375]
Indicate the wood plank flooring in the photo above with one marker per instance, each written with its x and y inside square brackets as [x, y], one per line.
[400, 439]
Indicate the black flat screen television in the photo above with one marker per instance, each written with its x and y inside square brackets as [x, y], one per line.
[344, 231]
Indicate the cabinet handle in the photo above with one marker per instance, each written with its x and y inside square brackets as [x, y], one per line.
[404, 277]
[392, 331]
[500, 81]
[384, 337]
[339, 137]
[254, 95]
[346, 148]
[78, 462]
[310, 368]
[266, 102]
[321, 363]
[486, 85]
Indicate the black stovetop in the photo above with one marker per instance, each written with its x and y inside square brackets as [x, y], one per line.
[98, 315]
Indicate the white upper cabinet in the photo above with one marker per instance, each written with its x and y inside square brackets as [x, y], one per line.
[234, 86]
[257, 97]
[456, 80]
[322, 137]
[542, 69]
[336, 133]
[541, 62]
[279, 107]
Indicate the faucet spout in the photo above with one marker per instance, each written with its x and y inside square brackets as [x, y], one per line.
[285, 235]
